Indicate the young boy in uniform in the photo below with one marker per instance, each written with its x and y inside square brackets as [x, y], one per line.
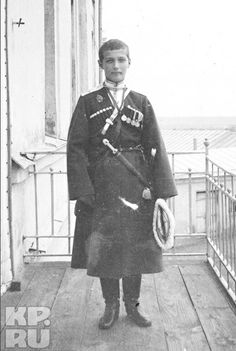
[113, 235]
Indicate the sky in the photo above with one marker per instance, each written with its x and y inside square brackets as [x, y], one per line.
[183, 53]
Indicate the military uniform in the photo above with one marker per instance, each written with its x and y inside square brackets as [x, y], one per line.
[115, 238]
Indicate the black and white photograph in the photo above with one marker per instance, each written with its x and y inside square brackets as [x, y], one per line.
[118, 175]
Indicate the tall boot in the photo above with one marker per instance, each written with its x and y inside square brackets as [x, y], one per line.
[111, 294]
[131, 293]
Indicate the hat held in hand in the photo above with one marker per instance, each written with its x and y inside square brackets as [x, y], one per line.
[163, 225]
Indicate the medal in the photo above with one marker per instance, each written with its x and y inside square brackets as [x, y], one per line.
[146, 194]
[99, 98]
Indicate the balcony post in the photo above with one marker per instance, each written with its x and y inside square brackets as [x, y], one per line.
[207, 222]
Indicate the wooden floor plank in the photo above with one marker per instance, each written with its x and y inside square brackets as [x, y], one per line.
[215, 314]
[182, 326]
[69, 311]
[43, 288]
[12, 298]
[93, 337]
[124, 335]
[205, 275]
[186, 303]
[40, 292]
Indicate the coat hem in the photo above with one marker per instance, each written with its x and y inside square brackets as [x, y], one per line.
[120, 276]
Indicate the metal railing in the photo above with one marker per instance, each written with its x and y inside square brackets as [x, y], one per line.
[189, 175]
[220, 235]
[36, 251]
[221, 224]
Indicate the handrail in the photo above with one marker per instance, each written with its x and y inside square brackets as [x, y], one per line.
[51, 173]
[23, 153]
[220, 167]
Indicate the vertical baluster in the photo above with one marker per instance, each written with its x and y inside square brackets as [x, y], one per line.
[226, 231]
[214, 213]
[206, 143]
[36, 207]
[224, 179]
[69, 226]
[211, 196]
[173, 172]
[219, 211]
[214, 205]
[212, 209]
[232, 184]
[234, 231]
[190, 200]
[230, 236]
[217, 218]
[52, 200]
[173, 198]
[220, 222]
[222, 225]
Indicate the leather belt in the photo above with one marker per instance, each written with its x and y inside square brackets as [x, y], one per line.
[130, 148]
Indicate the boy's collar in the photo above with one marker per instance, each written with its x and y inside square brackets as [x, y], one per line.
[112, 85]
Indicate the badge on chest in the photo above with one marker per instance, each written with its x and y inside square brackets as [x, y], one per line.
[132, 117]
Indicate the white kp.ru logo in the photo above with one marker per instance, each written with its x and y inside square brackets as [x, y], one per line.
[27, 327]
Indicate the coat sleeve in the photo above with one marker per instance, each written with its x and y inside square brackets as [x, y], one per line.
[79, 182]
[160, 171]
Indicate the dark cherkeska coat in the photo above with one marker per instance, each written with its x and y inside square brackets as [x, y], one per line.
[114, 240]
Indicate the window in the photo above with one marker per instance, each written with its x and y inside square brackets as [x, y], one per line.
[58, 90]
[50, 89]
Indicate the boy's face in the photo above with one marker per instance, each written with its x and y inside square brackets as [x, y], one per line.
[115, 64]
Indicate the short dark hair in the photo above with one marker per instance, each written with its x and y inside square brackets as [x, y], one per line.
[112, 44]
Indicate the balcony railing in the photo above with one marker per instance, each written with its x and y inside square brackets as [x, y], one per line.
[220, 235]
[221, 224]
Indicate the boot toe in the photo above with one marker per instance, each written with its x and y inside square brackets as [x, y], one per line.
[140, 320]
[106, 323]
[111, 314]
[136, 316]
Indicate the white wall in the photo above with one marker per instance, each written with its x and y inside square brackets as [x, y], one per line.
[6, 274]
[24, 208]
[26, 59]
[182, 204]
[27, 109]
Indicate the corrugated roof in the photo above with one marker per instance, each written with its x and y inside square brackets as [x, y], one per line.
[224, 157]
[193, 139]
